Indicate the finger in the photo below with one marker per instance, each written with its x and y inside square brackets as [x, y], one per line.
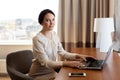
[80, 58]
[84, 58]
[80, 66]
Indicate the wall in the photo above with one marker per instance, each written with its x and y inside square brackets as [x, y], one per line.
[6, 49]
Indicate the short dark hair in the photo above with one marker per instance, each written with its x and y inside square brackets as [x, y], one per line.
[43, 13]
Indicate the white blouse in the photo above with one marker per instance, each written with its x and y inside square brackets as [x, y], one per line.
[46, 50]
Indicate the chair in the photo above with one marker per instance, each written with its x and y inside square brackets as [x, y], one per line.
[18, 64]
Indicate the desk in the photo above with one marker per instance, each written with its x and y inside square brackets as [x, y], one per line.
[111, 70]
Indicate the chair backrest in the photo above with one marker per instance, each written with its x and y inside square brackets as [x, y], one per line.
[18, 63]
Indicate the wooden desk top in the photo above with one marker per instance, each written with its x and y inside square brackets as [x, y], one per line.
[111, 70]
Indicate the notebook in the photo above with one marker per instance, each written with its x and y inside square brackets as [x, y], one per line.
[96, 64]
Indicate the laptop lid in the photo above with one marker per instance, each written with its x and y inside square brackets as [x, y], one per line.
[108, 53]
[102, 62]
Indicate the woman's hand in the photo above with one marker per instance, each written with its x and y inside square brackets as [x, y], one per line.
[73, 64]
[82, 58]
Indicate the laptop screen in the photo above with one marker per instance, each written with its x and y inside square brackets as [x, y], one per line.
[108, 53]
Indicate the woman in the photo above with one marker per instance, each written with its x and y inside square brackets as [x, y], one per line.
[46, 47]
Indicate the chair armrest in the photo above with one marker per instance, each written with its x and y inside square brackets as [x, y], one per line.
[16, 75]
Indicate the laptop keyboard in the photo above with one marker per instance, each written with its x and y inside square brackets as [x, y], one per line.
[96, 63]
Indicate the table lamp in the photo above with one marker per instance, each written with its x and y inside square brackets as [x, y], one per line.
[104, 28]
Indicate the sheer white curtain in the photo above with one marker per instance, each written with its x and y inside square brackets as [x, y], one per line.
[117, 26]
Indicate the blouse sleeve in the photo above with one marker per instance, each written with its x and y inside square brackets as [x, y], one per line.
[41, 56]
[63, 53]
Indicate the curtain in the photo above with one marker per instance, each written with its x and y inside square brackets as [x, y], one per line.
[116, 45]
[76, 19]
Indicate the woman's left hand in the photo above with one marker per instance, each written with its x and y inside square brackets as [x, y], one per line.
[84, 57]
[80, 58]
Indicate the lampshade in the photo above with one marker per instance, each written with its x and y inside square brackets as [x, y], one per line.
[104, 27]
[103, 24]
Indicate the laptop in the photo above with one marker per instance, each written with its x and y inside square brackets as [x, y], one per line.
[96, 64]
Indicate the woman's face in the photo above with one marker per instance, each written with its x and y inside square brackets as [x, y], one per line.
[48, 22]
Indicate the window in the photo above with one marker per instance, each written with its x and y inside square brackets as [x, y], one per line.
[18, 19]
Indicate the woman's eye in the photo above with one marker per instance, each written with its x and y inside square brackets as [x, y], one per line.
[47, 20]
[53, 20]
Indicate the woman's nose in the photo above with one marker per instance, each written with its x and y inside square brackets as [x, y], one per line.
[51, 22]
